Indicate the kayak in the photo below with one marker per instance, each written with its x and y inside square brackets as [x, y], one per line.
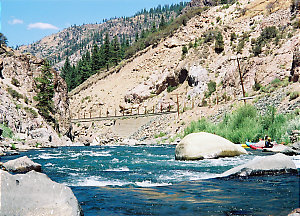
[243, 145]
[259, 145]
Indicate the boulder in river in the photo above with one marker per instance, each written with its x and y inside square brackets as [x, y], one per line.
[197, 146]
[36, 194]
[275, 164]
[22, 165]
[281, 149]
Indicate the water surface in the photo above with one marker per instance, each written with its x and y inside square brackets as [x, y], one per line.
[147, 180]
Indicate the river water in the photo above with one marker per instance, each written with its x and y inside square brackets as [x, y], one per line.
[147, 180]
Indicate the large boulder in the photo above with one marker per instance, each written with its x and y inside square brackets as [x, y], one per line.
[203, 145]
[22, 165]
[36, 194]
[274, 164]
[281, 149]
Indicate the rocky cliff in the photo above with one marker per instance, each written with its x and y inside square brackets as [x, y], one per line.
[18, 105]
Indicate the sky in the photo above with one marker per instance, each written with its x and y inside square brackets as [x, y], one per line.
[26, 21]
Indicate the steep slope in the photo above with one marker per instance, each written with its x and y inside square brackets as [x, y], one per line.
[75, 40]
[200, 61]
[18, 89]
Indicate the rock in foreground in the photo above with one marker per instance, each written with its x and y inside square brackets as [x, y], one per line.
[275, 164]
[22, 165]
[36, 194]
[203, 145]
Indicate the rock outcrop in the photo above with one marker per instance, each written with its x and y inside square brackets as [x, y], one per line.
[17, 104]
[35, 194]
[274, 164]
[203, 145]
[281, 149]
[22, 165]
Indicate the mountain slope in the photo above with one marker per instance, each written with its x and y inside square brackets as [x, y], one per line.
[199, 62]
[75, 40]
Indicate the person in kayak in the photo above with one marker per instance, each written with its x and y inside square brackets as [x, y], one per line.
[268, 143]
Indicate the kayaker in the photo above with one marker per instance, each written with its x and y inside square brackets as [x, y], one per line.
[268, 143]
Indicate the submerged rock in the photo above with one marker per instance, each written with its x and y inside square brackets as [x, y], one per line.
[281, 149]
[36, 194]
[274, 164]
[203, 145]
[22, 165]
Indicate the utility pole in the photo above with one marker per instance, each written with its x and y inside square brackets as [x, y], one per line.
[241, 77]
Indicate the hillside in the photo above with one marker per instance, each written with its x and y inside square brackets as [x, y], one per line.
[26, 120]
[75, 40]
[198, 62]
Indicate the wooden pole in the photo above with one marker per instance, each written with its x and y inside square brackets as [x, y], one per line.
[193, 104]
[78, 115]
[178, 105]
[153, 109]
[83, 115]
[145, 110]
[107, 112]
[123, 112]
[115, 112]
[138, 110]
[90, 114]
[161, 108]
[217, 100]
[241, 77]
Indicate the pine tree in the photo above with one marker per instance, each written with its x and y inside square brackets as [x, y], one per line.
[163, 23]
[115, 51]
[67, 72]
[45, 93]
[95, 61]
[106, 51]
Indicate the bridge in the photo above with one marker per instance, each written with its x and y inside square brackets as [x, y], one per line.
[105, 118]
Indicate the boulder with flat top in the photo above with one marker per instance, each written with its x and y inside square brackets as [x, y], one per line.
[268, 165]
[22, 165]
[197, 146]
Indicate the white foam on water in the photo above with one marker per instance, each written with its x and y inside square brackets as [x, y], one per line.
[120, 169]
[148, 183]
[96, 182]
[76, 155]
[100, 154]
[49, 156]
[186, 175]
[48, 164]
[115, 160]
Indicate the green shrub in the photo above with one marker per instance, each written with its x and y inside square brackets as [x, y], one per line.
[14, 93]
[13, 146]
[246, 123]
[15, 82]
[257, 86]
[219, 44]
[7, 132]
[294, 95]
[211, 85]
[161, 134]
[184, 50]
[31, 111]
[171, 88]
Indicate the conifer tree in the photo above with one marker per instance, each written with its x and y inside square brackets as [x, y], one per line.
[45, 93]
[115, 51]
[106, 51]
[163, 23]
[95, 61]
[67, 72]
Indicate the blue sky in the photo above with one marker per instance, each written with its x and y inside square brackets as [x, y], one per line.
[26, 21]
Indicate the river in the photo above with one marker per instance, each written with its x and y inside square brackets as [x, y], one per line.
[147, 180]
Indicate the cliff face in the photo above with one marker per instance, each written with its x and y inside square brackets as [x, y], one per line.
[18, 89]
